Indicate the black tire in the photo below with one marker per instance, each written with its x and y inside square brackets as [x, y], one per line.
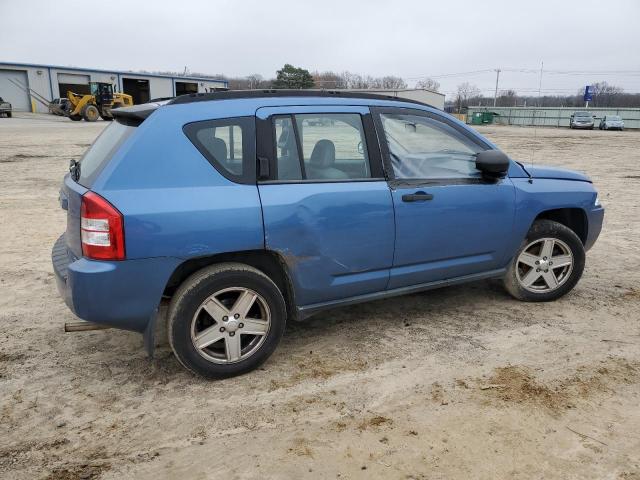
[75, 118]
[90, 113]
[547, 229]
[195, 290]
[8, 114]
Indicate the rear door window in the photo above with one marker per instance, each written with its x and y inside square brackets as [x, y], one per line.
[321, 147]
[102, 150]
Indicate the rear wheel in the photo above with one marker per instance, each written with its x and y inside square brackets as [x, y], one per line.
[226, 320]
[8, 114]
[75, 118]
[90, 113]
[548, 264]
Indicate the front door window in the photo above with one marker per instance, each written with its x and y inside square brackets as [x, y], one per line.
[424, 148]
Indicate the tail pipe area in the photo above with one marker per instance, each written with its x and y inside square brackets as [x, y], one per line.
[83, 326]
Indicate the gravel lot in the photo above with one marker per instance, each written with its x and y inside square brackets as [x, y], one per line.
[462, 382]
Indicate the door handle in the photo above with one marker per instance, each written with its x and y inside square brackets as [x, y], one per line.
[417, 197]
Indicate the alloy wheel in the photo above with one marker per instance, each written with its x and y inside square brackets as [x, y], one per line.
[544, 265]
[230, 325]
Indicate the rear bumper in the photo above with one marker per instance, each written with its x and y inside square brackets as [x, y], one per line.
[124, 294]
[595, 217]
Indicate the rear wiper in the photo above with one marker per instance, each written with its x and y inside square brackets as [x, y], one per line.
[74, 169]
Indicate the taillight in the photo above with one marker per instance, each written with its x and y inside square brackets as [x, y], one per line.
[101, 229]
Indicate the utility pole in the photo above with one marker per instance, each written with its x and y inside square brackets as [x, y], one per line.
[495, 95]
[540, 84]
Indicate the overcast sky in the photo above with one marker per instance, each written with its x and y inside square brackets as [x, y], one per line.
[410, 39]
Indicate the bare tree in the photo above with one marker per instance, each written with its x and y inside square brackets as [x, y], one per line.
[465, 94]
[604, 95]
[390, 82]
[254, 81]
[357, 81]
[428, 84]
[507, 98]
[328, 80]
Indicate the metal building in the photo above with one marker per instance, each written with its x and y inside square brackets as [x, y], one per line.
[435, 99]
[53, 81]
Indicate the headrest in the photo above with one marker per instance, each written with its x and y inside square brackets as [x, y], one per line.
[324, 154]
[219, 149]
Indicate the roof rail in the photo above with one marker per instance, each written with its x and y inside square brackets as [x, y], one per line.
[267, 93]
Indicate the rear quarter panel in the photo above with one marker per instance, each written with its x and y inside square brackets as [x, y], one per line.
[175, 203]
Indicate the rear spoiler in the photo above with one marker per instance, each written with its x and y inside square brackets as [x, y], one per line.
[136, 114]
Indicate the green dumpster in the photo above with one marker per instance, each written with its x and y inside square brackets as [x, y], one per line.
[483, 118]
[487, 117]
[476, 119]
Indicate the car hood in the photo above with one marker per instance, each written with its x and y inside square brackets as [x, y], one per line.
[540, 171]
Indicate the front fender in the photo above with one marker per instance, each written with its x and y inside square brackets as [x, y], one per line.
[541, 195]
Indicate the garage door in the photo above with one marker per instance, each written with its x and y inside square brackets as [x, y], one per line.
[18, 98]
[74, 82]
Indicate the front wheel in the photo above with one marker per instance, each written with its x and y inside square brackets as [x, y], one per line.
[90, 113]
[226, 320]
[548, 264]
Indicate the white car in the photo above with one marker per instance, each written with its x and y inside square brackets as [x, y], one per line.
[611, 122]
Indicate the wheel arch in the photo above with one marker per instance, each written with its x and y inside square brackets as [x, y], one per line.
[572, 218]
[268, 262]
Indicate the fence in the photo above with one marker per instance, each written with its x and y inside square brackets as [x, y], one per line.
[553, 116]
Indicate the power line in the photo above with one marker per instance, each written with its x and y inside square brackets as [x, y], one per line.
[445, 75]
[532, 71]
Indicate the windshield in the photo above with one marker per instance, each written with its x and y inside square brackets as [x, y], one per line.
[614, 118]
[102, 150]
[582, 114]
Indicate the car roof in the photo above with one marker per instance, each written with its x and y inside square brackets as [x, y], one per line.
[271, 93]
[138, 113]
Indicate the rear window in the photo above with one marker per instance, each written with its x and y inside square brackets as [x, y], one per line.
[101, 151]
[582, 114]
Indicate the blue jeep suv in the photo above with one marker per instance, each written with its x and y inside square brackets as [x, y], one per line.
[248, 209]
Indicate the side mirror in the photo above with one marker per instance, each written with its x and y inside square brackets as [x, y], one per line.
[492, 163]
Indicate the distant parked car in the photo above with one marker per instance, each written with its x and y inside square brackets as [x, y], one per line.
[58, 106]
[611, 122]
[5, 108]
[581, 120]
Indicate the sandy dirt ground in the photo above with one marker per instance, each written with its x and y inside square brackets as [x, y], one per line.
[462, 382]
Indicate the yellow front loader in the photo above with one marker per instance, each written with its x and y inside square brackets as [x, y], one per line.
[98, 103]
